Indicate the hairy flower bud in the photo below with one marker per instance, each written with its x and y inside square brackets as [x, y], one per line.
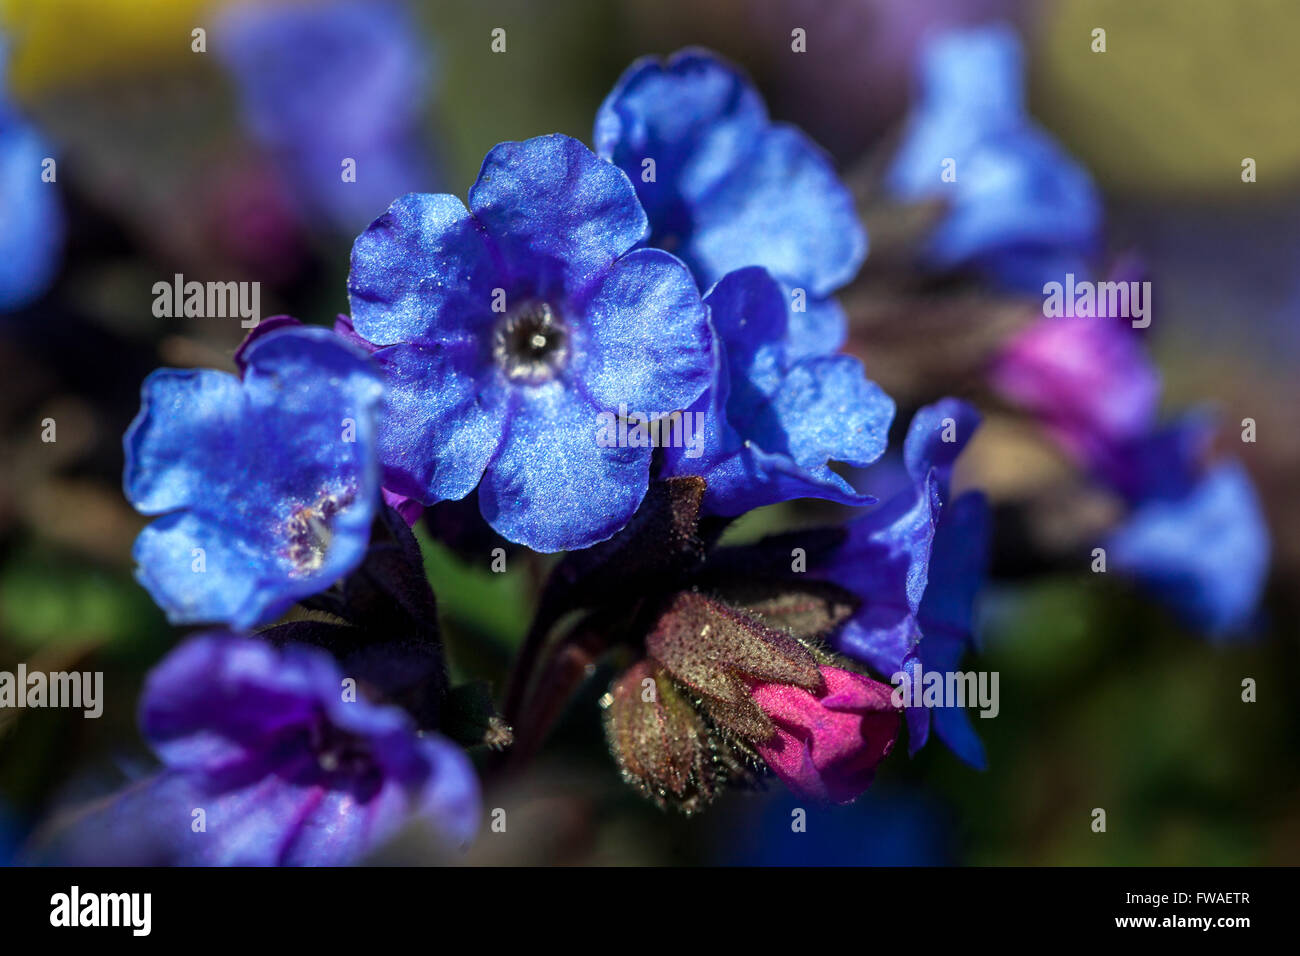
[722, 690]
[662, 744]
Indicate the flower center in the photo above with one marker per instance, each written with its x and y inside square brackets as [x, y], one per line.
[309, 531]
[531, 343]
[337, 751]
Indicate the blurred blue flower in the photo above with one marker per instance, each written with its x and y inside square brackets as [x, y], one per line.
[512, 327]
[724, 187]
[1020, 209]
[773, 421]
[917, 563]
[267, 486]
[1195, 538]
[1204, 552]
[321, 83]
[31, 214]
[287, 767]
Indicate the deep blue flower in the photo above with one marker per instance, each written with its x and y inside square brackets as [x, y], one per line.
[1020, 209]
[512, 326]
[730, 188]
[917, 562]
[321, 83]
[267, 486]
[31, 215]
[773, 421]
[1204, 552]
[287, 766]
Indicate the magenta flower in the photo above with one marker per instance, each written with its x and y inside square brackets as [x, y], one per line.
[1088, 380]
[827, 746]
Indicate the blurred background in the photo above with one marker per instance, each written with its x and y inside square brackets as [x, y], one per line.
[221, 163]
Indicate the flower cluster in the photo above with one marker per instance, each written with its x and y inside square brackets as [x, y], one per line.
[1193, 532]
[676, 281]
[1019, 211]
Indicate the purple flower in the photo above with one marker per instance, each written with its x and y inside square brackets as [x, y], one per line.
[508, 329]
[266, 487]
[327, 82]
[724, 187]
[270, 758]
[1194, 535]
[916, 563]
[1019, 208]
[774, 420]
[1088, 380]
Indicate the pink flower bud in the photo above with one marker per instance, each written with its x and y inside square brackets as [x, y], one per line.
[827, 745]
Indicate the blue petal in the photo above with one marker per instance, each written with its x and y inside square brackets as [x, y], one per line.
[423, 272]
[1205, 554]
[767, 436]
[830, 411]
[31, 217]
[244, 463]
[748, 309]
[181, 413]
[917, 717]
[649, 336]
[784, 209]
[1019, 192]
[1164, 463]
[886, 560]
[988, 53]
[958, 569]
[1019, 207]
[557, 213]
[551, 486]
[443, 421]
[956, 729]
[820, 328]
[935, 438]
[884, 563]
[321, 82]
[730, 189]
[197, 568]
[695, 116]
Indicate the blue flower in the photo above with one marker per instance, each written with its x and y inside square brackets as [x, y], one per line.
[774, 420]
[512, 327]
[917, 563]
[327, 82]
[286, 765]
[31, 216]
[729, 188]
[1204, 552]
[267, 486]
[1194, 538]
[1020, 209]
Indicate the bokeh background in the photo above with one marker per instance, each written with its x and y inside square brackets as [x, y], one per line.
[164, 167]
